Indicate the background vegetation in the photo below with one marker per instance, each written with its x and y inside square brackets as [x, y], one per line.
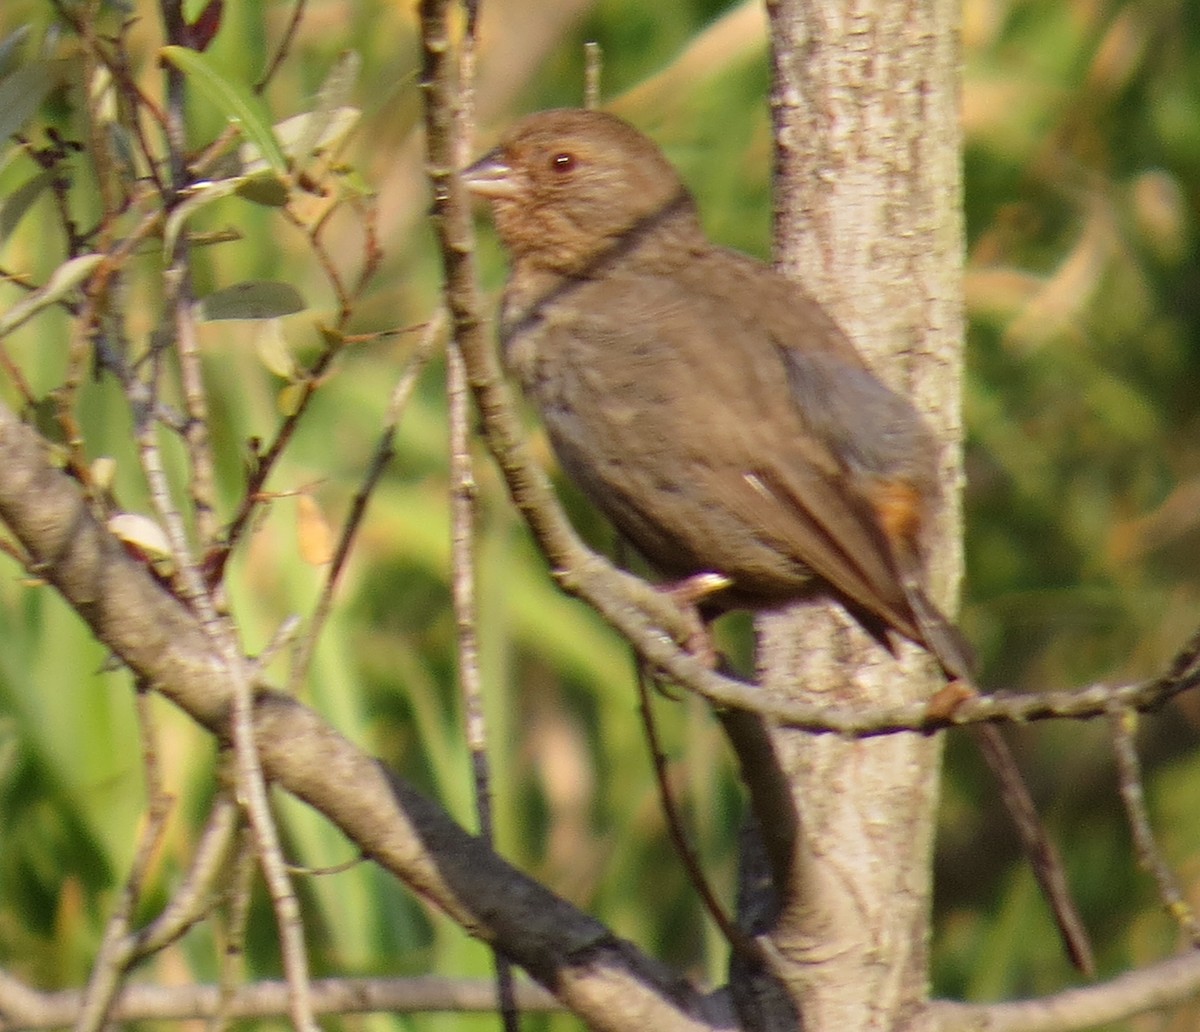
[1083, 185]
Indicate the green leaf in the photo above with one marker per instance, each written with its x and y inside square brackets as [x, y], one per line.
[240, 106]
[10, 49]
[264, 188]
[254, 299]
[17, 203]
[22, 93]
[65, 279]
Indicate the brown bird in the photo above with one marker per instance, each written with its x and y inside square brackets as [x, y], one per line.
[713, 411]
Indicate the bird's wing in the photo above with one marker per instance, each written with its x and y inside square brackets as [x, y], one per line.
[724, 411]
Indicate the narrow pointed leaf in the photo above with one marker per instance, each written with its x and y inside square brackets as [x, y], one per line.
[235, 101]
[65, 279]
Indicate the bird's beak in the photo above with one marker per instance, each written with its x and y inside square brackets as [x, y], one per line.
[491, 176]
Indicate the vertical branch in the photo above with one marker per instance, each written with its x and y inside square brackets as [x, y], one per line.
[206, 598]
[462, 514]
[466, 615]
[178, 298]
[593, 69]
[688, 856]
[233, 954]
[868, 214]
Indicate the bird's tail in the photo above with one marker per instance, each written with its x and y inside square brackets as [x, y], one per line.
[938, 634]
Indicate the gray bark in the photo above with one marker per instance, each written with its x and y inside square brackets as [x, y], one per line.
[868, 215]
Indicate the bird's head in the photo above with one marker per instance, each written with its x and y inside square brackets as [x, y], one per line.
[566, 185]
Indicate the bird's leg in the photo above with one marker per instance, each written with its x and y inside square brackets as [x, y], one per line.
[688, 594]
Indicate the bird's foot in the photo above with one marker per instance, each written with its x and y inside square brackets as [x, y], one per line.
[688, 594]
[948, 698]
[693, 590]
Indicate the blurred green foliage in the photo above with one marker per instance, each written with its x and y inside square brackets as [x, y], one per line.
[1083, 185]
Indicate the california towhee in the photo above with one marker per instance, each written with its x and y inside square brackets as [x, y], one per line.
[705, 403]
[712, 410]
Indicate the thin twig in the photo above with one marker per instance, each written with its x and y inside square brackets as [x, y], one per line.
[466, 616]
[193, 899]
[285, 45]
[252, 792]
[178, 304]
[1124, 726]
[13, 371]
[265, 461]
[201, 473]
[251, 786]
[738, 940]
[434, 333]
[462, 514]
[117, 948]
[233, 954]
[1040, 850]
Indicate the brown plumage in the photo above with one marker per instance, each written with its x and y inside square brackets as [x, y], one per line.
[708, 406]
[714, 411]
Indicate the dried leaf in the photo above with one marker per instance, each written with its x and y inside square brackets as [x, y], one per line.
[313, 534]
[272, 348]
[141, 532]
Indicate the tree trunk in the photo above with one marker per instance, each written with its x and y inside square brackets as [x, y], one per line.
[868, 215]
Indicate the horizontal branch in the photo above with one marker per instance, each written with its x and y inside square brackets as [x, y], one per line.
[24, 1008]
[605, 980]
[1160, 985]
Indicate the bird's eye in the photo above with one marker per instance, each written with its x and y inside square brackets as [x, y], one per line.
[562, 162]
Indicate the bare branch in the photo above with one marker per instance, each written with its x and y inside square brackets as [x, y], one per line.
[401, 393]
[605, 980]
[24, 1008]
[1159, 985]
[192, 900]
[1133, 795]
[118, 947]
